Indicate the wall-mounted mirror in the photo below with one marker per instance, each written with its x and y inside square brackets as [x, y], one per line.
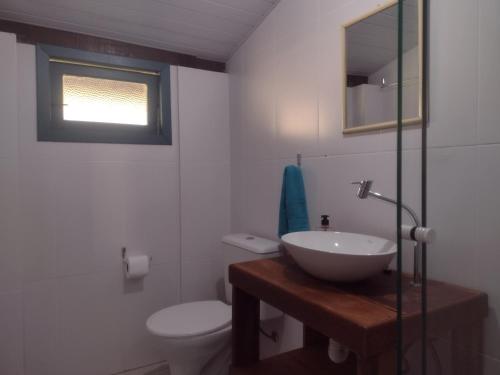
[370, 56]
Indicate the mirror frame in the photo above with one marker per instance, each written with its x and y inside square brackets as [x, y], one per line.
[388, 124]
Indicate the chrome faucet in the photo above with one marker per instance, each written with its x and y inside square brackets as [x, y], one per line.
[365, 192]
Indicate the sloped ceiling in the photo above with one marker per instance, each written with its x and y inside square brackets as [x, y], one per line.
[209, 29]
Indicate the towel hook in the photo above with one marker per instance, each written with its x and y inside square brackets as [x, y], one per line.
[299, 160]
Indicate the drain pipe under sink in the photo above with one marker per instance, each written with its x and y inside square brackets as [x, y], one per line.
[336, 352]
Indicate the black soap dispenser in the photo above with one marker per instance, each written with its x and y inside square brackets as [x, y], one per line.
[325, 223]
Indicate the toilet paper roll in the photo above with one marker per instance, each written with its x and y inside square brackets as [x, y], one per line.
[136, 267]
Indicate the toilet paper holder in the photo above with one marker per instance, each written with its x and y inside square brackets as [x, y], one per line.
[124, 254]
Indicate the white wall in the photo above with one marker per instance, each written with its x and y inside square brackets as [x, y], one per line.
[66, 209]
[285, 98]
[205, 180]
[11, 298]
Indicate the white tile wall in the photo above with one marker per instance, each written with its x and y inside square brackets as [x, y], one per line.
[262, 199]
[88, 324]
[452, 52]
[11, 326]
[259, 110]
[204, 112]
[296, 81]
[66, 209]
[11, 301]
[37, 216]
[41, 321]
[452, 208]
[152, 195]
[488, 79]
[293, 93]
[8, 97]
[10, 259]
[205, 180]
[136, 305]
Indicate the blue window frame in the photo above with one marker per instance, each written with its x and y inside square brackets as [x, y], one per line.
[101, 119]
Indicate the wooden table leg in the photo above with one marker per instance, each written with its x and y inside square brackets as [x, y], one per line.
[366, 366]
[384, 364]
[245, 333]
[467, 341]
[387, 363]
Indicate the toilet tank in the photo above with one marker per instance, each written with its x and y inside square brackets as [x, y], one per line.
[243, 247]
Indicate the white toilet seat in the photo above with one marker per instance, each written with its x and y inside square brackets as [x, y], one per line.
[190, 319]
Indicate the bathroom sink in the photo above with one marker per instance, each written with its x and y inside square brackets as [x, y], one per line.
[339, 256]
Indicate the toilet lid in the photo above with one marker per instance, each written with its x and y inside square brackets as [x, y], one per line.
[190, 319]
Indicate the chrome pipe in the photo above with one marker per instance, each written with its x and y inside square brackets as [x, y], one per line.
[365, 192]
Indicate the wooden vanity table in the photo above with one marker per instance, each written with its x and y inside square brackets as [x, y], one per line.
[361, 316]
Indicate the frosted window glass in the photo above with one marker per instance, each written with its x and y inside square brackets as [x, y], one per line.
[104, 100]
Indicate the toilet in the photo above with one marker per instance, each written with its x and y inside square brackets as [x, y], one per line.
[196, 336]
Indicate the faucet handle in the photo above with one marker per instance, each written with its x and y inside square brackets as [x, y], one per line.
[364, 188]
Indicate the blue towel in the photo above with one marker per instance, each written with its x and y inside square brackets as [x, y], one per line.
[293, 205]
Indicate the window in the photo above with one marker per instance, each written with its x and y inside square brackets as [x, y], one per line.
[90, 97]
[104, 100]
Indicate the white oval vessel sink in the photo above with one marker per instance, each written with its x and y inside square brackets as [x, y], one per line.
[338, 256]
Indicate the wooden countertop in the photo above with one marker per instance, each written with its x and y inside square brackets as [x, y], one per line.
[361, 316]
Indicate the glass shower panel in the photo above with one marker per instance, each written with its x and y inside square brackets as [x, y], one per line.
[463, 206]
[448, 173]
[411, 210]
